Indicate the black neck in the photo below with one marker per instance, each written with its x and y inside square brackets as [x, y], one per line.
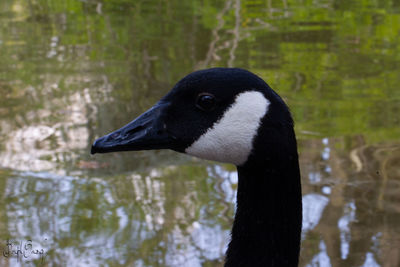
[267, 226]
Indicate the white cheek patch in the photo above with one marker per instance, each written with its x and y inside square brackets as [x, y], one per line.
[231, 138]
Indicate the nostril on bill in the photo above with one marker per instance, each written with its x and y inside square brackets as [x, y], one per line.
[135, 130]
[114, 135]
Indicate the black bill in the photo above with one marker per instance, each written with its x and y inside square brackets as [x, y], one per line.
[148, 131]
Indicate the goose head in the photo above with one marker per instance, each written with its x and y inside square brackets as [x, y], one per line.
[231, 115]
[215, 114]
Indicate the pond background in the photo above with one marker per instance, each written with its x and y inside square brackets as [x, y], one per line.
[72, 71]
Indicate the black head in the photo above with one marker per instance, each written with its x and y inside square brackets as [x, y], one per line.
[214, 114]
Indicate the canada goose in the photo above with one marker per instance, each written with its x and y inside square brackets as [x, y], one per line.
[231, 115]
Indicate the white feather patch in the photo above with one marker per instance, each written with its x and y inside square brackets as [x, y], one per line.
[231, 138]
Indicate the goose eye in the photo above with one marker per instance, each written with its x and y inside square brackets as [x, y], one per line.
[205, 101]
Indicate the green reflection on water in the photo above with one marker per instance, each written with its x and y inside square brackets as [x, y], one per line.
[71, 71]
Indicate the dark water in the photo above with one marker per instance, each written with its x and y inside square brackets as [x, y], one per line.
[71, 71]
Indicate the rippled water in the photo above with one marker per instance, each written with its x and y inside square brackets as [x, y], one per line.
[71, 71]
